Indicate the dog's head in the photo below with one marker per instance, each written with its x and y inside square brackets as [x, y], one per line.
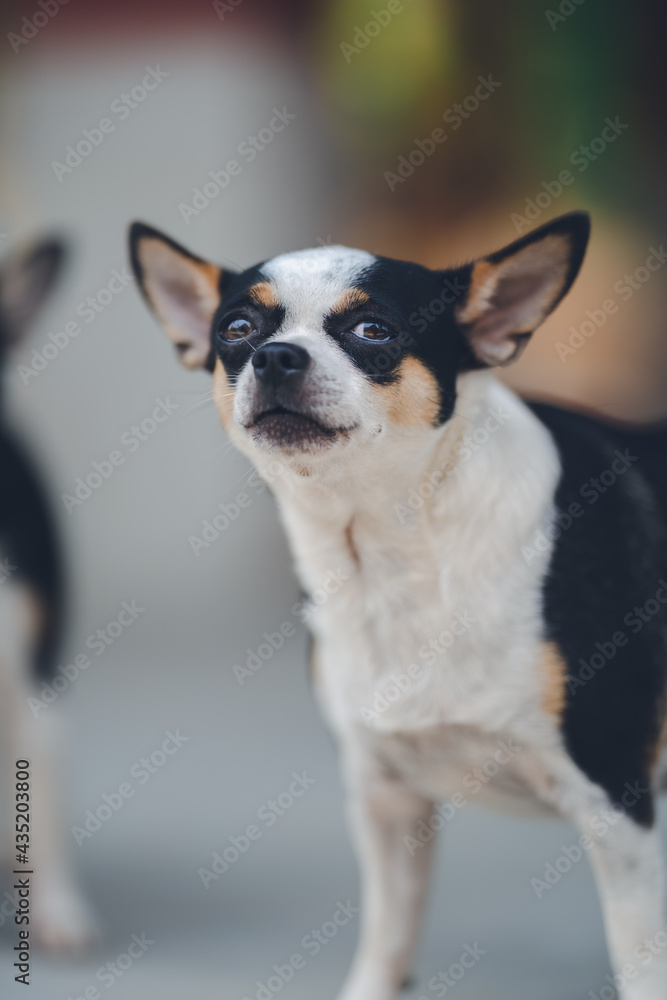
[323, 351]
[26, 279]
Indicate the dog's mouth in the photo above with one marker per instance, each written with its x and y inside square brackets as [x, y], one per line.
[290, 429]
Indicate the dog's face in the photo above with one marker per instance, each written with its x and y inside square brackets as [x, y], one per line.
[324, 351]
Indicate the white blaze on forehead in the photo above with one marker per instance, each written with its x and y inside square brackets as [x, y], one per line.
[309, 283]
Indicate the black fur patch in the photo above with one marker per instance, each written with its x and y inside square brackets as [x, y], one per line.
[608, 562]
[29, 541]
[419, 305]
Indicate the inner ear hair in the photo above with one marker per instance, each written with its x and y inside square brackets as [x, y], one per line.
[182, 290]
[513, 291]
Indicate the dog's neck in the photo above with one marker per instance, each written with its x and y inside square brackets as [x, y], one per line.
[416, 493]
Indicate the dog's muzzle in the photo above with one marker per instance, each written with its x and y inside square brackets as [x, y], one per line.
[283, 415]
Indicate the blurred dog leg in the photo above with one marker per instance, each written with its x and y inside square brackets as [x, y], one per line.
[629, 869]
[60, 919]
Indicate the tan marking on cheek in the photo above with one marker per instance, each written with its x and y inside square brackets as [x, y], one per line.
[554, 671]
[264, 294]
[223, 394]
[414, 400]
[350, 299]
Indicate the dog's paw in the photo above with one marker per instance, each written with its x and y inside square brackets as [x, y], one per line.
[62, 921]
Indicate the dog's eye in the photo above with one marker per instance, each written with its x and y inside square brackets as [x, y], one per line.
[371, 331]
[238, 329]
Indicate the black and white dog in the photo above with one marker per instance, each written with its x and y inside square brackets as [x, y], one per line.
[506, 598]
[31, 619]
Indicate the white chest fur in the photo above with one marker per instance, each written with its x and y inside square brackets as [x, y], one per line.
[435, 617]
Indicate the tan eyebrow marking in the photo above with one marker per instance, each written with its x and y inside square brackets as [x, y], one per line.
[351, 299]
[264, 294]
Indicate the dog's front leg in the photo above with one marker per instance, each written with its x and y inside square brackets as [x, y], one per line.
[629, 869]
[385, 814]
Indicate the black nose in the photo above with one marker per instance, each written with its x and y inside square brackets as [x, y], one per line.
[275, 362]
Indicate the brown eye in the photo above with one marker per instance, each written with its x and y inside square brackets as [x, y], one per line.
[238, 329]
[371, 331]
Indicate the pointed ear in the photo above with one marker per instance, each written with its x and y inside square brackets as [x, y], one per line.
[25, 282]
[182, 290]
[514, 290]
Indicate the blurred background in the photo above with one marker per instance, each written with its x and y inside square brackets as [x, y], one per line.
[424, 129]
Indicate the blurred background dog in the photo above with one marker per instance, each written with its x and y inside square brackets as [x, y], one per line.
[32, 598]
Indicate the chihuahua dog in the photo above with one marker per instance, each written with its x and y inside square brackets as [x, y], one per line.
[31, 619]
[504, 607]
